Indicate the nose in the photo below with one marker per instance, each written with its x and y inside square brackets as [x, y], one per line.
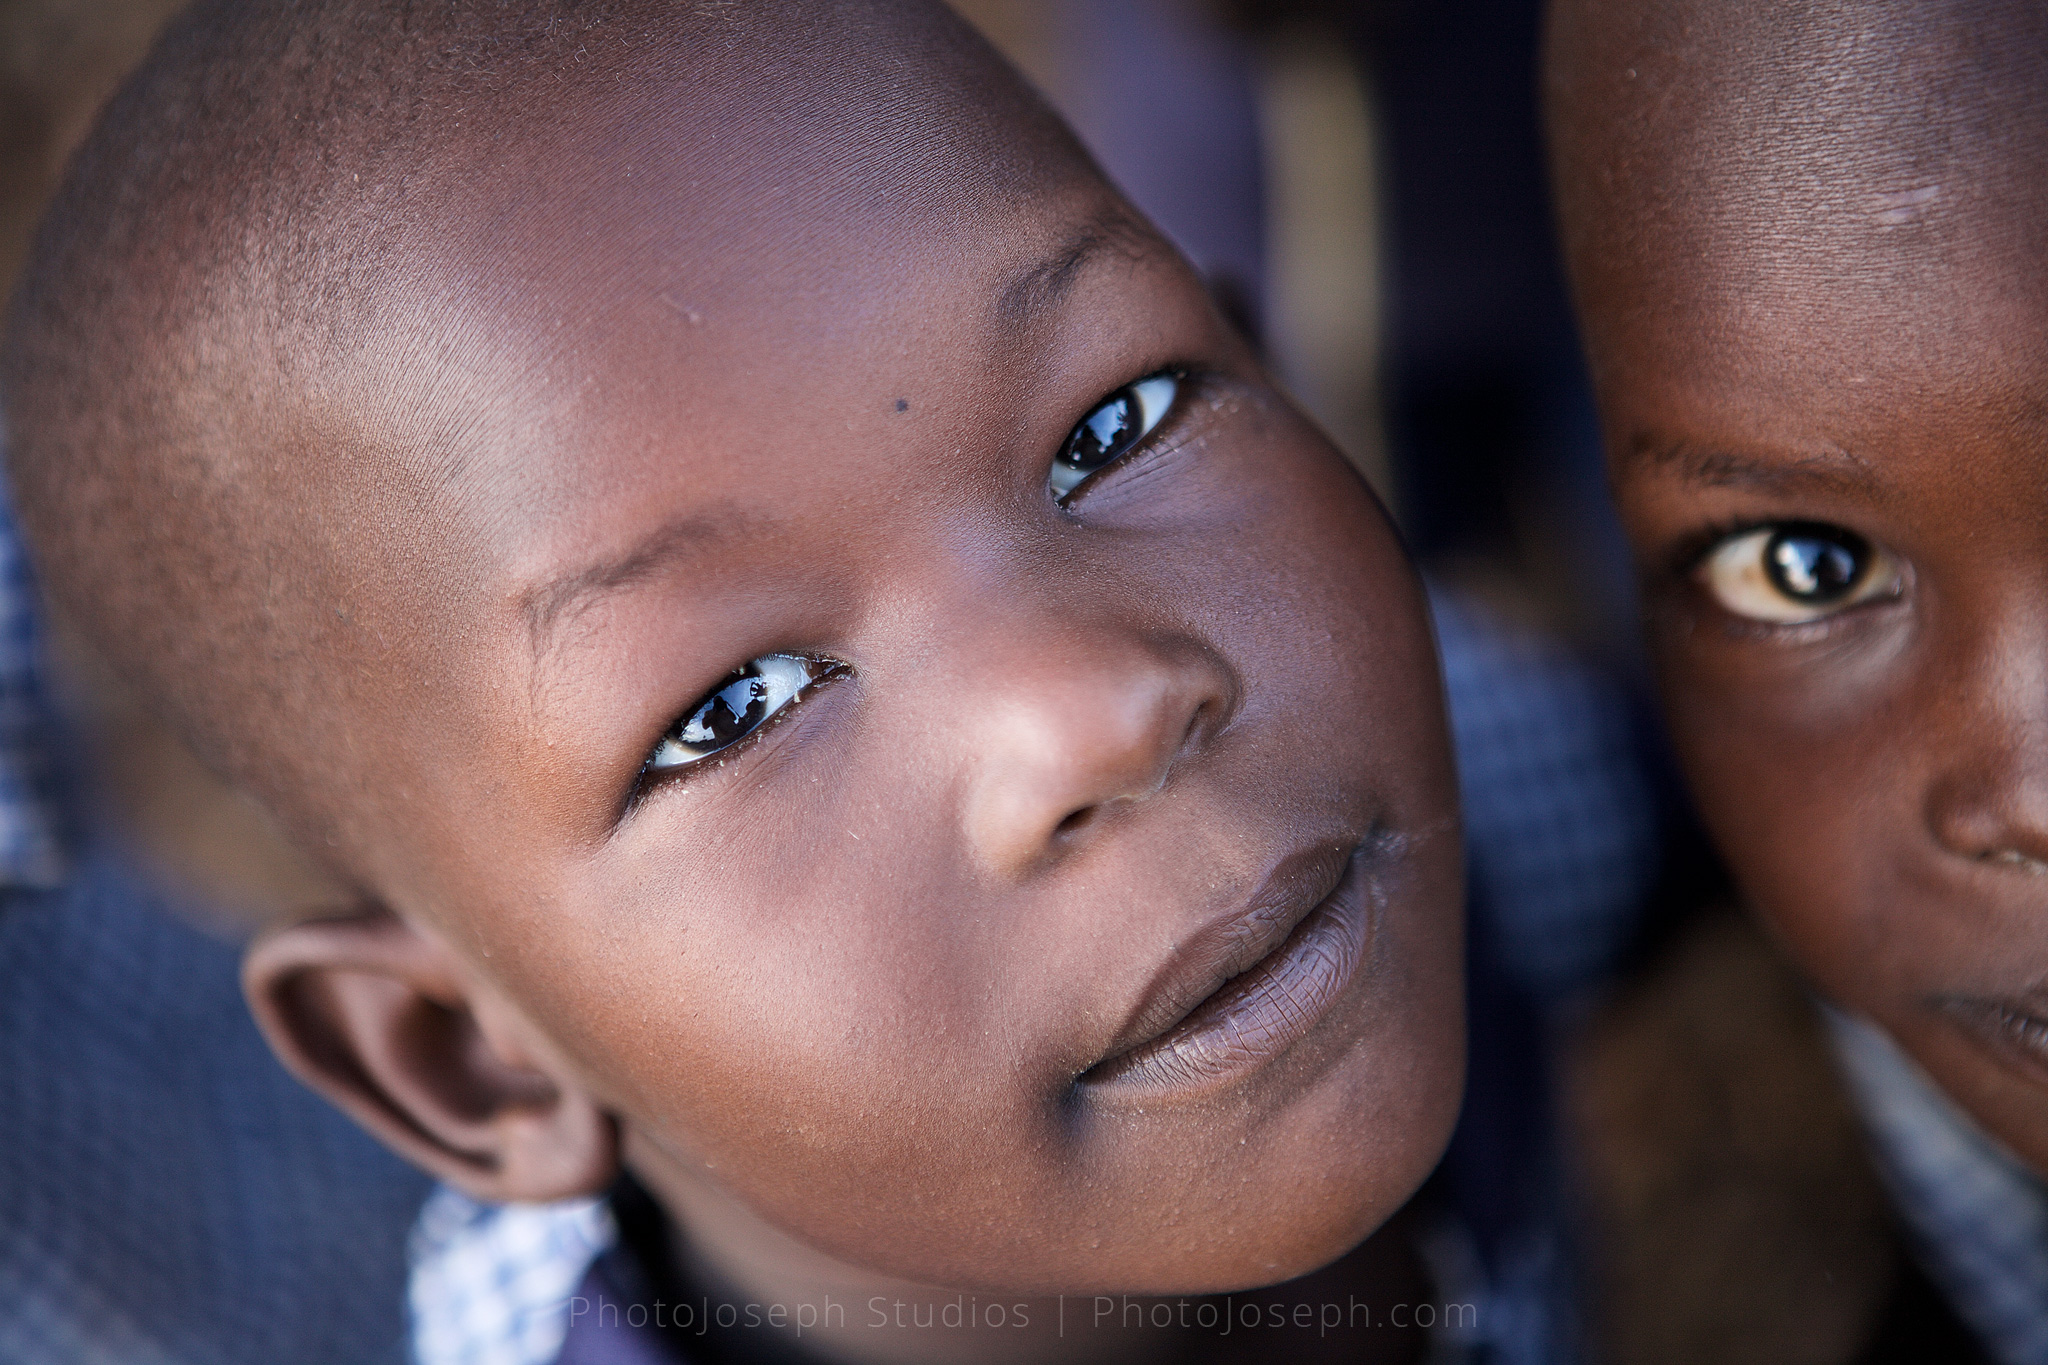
[1080, 721]
[1995, 809]
[1989, 801]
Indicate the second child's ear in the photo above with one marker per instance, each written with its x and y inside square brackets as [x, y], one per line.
[386, 1023]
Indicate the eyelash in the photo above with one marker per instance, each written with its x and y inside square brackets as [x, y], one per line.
[825, 672]
[1066, 484]
[1688, 564]
[828, 671]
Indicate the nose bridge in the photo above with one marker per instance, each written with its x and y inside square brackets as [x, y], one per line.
[1989, 796]
[1073, 715]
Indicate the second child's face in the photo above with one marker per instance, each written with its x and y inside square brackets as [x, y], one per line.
[1827, 409]
[946, 752]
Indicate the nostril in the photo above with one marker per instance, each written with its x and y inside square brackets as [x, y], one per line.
[1074, 823]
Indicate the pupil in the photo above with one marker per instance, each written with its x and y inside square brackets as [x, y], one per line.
[1103, 434]
[739, 706]
[1811, 564]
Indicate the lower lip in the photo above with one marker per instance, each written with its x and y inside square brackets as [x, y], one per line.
[2017, 1036]
[1258, 1014]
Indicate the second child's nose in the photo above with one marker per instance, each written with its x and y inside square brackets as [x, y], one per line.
[1079, 726]
[1994, 809]
[1988, 798]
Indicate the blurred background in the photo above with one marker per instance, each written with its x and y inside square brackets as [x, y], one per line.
[1361, 182]
[1363, 185]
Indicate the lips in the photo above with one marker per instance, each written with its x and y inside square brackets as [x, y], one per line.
[2013, 1029]
[1246, 988]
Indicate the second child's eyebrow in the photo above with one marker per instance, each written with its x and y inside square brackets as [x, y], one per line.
[1830, 471]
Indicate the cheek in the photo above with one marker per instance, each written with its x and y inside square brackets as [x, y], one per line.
[816, 996]
[1306, 586]
[799, 997]
[730, 988]
[1807, 782]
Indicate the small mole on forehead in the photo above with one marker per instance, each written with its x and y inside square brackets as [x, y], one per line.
[903, 405]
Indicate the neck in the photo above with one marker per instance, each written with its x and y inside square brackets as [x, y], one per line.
[840, 1311]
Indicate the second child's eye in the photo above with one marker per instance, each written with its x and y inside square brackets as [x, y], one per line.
[1797, 571]
[1119, 422]
[735, 709]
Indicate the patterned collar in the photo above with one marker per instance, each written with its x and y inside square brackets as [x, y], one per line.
[31, 846]
[491, 1284]
[1977, 1217]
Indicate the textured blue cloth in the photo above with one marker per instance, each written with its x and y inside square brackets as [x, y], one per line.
[1561, 823]
[491, 1284]
[31, 849]
[1977, 1217]
[167, 1192]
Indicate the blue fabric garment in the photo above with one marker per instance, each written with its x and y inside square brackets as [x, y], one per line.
[1561, 822]
[1977, 1217]
[1561, 850]
[488, 1282]
[167, 1192]
[31, 833]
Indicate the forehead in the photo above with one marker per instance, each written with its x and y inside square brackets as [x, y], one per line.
[1838, 190]
[718, 407]
[697, 371]
[690, 251]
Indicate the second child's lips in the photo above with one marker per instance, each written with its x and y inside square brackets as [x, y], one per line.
[1245, 988]
[2013, 1028]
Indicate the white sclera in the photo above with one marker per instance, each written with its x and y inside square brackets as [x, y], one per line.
[1153, 398]
[1735, 573]
[765, 686]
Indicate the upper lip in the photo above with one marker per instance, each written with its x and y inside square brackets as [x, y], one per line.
[1233, 944]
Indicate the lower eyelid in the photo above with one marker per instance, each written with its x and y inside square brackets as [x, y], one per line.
[829, 671]
[1809, 630]
[1176, 431]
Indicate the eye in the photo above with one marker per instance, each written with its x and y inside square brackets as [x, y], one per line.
[735, 709]
[1797, 571]
[1119, 422]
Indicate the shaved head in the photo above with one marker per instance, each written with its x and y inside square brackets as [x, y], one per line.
[307, 263]
[843, 671]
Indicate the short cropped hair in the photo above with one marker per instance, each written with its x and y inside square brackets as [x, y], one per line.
[222, 240]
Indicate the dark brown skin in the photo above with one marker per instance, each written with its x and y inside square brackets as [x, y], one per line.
[713, 377]
[1808, 242]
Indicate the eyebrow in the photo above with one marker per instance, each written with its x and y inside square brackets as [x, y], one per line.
[1829, 470]
[548, 604]
[1041, 286]
[1025, 297]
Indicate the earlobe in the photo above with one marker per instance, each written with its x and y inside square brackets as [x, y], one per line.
[390, 1026]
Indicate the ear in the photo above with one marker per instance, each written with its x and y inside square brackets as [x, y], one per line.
[387, 1023]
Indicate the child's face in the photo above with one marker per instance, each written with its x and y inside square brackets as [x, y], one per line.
[1825, 382]
[1059, 769]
